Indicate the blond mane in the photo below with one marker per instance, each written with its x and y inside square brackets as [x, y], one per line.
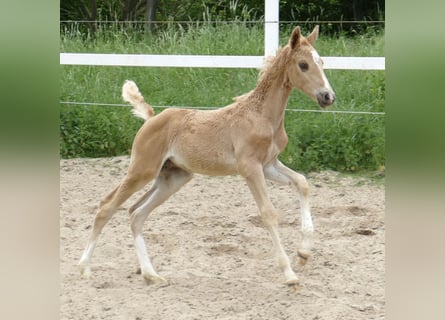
[273, 66]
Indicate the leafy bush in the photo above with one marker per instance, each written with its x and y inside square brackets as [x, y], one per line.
[339, 142]
[96, 132]
[248, 10]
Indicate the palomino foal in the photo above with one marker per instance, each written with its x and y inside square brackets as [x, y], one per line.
[243, 138]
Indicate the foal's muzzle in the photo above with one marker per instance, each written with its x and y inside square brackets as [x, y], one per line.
[325, 98]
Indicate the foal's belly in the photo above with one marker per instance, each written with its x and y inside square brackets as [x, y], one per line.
[202, 143]
[204, 159]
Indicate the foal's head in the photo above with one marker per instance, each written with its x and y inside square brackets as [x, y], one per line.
[305, 68]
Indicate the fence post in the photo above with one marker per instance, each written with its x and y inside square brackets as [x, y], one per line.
[271, 26]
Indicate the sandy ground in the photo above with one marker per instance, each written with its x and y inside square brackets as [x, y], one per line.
[208, 241]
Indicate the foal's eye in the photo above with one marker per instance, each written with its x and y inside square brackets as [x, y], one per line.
[303, 66]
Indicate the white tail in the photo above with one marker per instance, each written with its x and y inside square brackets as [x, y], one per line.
[131, 94]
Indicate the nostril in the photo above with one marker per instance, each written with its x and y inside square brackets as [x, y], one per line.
[325, 98]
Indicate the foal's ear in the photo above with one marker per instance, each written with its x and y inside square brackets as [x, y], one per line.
[313, 36]
[295, 37]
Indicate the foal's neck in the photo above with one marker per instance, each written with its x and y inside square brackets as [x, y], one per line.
[272, 94]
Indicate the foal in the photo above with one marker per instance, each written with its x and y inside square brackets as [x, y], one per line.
[243, 138]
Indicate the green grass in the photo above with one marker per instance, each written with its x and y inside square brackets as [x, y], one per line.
[343, 142]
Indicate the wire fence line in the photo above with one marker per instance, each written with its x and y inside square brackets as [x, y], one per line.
[222, 21]
[213, 108]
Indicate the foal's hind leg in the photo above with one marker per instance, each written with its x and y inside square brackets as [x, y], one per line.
[280, 173]
[108, 206]
[170, 180]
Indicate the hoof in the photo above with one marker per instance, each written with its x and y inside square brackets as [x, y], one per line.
[303, 256]
[85, 271]
[293, 284]
[154, 279]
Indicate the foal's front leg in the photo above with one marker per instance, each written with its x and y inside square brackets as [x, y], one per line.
[254, 177]
[280, 173]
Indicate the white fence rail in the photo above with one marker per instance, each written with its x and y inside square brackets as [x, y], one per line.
[207, 61]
